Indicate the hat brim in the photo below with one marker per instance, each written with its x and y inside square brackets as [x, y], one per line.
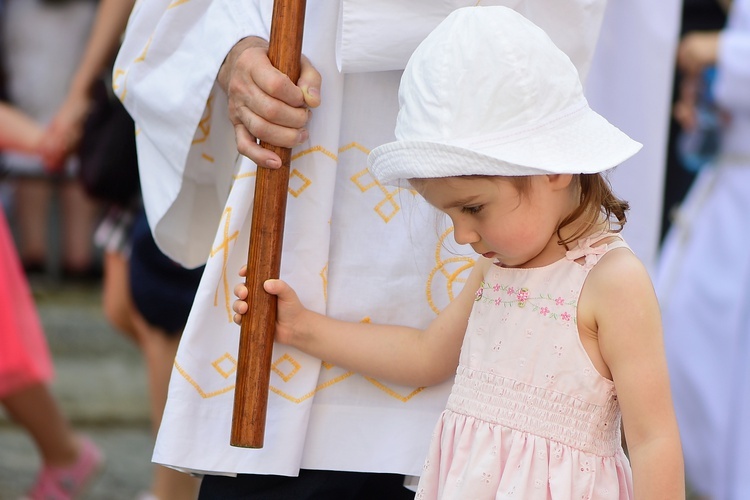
[586, 143]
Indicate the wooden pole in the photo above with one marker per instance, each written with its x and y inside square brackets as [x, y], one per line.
[264, 254]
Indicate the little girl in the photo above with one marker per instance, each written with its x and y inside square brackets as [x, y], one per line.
[556, 334]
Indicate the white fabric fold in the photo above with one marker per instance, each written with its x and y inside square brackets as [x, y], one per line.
[381, 36]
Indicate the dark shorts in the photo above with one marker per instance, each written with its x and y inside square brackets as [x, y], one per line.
[310, 485]
[162, 290]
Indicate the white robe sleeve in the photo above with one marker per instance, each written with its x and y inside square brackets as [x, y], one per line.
[165, 75]
[381, 35]
[732, 85]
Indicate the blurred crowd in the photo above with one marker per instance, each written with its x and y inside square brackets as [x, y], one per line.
[69, 187]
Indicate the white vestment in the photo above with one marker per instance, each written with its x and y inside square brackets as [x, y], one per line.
[353, 248]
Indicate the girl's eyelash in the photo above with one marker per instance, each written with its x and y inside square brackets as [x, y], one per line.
[472, 210]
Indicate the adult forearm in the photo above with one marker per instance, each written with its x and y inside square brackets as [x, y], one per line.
[109, 25]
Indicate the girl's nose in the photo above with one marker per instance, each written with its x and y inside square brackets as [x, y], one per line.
[464, 234]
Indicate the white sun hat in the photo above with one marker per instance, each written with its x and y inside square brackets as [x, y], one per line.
[488, 93]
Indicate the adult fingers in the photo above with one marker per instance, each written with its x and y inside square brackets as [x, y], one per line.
[309, 81]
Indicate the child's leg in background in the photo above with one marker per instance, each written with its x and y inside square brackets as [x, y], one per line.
[35, 409]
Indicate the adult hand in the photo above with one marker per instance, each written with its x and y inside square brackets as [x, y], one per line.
[64, 132]
[697, 50]
[18, 131]
[684, 110]
[264, 104]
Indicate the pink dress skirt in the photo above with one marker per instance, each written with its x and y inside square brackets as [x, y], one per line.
[24, 355]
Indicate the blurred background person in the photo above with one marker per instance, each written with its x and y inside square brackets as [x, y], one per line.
[145, 295]
[70, 461]
[697, 15]
[42, 42]
[703, 278]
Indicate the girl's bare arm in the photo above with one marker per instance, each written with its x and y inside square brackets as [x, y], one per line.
[399, 354]
[630, 340]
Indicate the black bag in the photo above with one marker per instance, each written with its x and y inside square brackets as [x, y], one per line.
[109, 163]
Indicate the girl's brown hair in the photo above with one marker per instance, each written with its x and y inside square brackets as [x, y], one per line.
[596, 199]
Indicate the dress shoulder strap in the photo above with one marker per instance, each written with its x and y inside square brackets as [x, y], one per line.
[590, 249]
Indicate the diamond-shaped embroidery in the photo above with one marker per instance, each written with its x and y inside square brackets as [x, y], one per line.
[384, 211]
[297, 183]
[387, 207]
[358, 178]
[284, 362]
[225, 365]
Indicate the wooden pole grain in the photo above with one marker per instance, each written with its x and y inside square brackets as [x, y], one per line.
[264, 253]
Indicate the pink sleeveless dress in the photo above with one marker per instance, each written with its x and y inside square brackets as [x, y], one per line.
[24, 355]
[529, 417]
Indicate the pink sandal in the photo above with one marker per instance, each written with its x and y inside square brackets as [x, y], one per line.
[67, 483]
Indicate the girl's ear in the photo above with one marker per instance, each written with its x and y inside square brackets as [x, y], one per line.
[560, 181]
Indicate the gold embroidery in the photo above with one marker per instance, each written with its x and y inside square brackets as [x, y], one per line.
[315, 149]
[297, 181]
[330, 383]
[389, 200]
[224, 248]
[244, 175]
[286, 377]
[354, 145]
[142, 57]
[387, 208]
[225, 358]
[204, 126]
[116, 78]
[324, 277]
[294, 177]
[393, 393]
[312, 393]
[198, 388]
[452, 277]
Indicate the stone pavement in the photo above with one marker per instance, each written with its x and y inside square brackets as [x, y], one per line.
[101, 385]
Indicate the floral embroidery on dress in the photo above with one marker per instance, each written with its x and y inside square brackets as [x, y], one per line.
[553, 307]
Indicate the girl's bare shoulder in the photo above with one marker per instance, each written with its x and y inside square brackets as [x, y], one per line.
[619, 281]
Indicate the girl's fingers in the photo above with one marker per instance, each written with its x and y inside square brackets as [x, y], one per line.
[240, 291]
[239, 306]
[273, 286]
